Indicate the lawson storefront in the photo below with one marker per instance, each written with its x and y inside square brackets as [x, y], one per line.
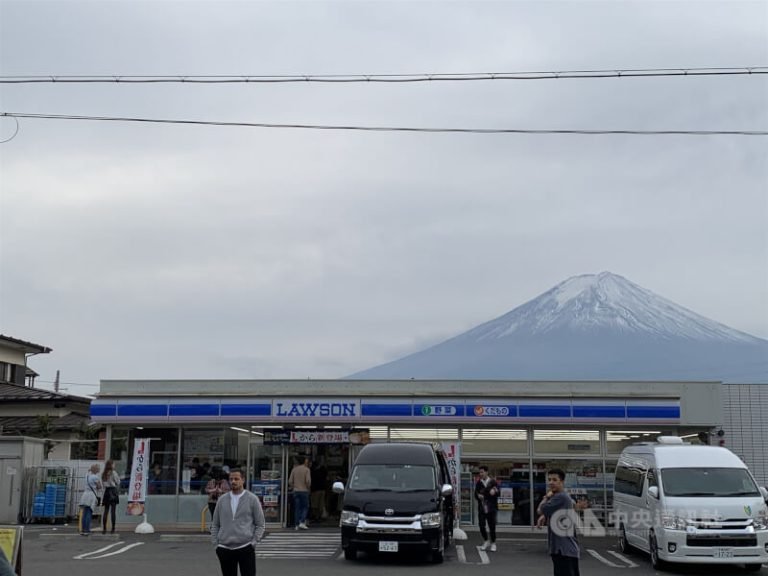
[200, 429]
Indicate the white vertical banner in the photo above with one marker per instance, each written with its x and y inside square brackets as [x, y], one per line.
[453, 459]
[137, 489]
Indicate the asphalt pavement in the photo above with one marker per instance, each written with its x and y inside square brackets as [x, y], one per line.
[62, 551]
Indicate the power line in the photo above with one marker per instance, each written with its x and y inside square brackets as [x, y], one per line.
[391, 128]
[375, 78]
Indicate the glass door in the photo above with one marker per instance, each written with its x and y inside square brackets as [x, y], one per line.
[267, 480]
[514, 480]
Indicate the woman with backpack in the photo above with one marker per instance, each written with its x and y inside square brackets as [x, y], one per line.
[110, 479]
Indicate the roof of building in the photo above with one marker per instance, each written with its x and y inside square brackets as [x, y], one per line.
[16, 392]
[21, 424]
[18, 344]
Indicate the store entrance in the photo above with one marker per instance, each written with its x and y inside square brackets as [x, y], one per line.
[329, 463]
[514, 480]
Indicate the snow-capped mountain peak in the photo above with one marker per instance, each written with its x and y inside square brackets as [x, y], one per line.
[606, 301]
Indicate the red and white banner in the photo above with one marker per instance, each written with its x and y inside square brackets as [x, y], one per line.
[137, 489]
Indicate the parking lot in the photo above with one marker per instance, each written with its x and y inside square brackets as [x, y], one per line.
[62, 551]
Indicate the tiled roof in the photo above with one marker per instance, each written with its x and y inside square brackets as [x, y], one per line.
[12, 425]
[17, 392]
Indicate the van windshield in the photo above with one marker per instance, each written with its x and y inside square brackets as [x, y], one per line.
[709, 482]
[392, 477]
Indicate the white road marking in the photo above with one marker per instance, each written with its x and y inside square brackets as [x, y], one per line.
[604, 560]
[622, 558]
[461, 554]
[81, 556]
[124, 549]
[483, 556]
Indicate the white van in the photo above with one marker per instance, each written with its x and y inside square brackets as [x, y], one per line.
[689, 504]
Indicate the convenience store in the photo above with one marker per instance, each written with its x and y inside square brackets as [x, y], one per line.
[517, 428]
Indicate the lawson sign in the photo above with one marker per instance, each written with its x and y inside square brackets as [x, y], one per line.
[302, 409]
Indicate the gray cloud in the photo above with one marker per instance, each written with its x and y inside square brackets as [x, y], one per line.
[159, 252]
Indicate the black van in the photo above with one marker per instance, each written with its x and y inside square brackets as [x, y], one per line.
[399, 497]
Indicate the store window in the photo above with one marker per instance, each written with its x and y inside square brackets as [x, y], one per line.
[163, 458]
[585, 479]
[202, 458]
[494, 441]
[617, 440]
[423, 434]
[118, 451]
[570, 442]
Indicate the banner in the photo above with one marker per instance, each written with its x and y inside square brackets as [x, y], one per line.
[10, 544]
[452, 452]
[137, 489]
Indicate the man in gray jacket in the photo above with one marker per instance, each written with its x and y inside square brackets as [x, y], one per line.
[557, 511]
[238, 525]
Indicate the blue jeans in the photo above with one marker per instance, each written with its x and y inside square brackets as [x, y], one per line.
[85, 521]
[300, 507]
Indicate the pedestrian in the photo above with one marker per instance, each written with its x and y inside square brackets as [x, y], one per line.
[238, 525]
[110, 480]
[91, 499]
[487, 496]
[557, 511]
[300, 481]
[216, 487]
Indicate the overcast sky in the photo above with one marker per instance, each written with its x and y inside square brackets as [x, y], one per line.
[152, 251]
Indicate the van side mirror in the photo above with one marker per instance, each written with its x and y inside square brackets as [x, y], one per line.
[446, 490]
[654, 491]
[338, 487]
[764, 492]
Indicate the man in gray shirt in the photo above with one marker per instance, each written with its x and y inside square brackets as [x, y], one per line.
[238, 524]
[557, 512]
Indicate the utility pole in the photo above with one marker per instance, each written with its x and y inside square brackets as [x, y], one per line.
[56, 383]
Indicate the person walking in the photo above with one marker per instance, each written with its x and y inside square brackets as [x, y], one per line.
[558, 513]
[300, 481]
[237, 527]
[90, 500]
[110, 480]
[215, 488]
[487, 496]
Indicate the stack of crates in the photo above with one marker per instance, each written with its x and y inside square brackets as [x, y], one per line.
[38, 505]
[51, 492]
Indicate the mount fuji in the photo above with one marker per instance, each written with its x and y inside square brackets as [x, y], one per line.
[591, 327]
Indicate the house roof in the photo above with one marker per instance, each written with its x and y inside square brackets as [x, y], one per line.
[21, 424]
[16, 392]
[23, 345]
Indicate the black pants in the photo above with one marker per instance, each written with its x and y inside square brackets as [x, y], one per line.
[565, 565]
[110, 510]
[212, 508]
[231, 559]
[490, 518]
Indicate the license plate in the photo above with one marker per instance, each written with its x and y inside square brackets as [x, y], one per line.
[387, 546]
[723, 552]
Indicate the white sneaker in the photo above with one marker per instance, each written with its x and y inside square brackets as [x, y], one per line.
[485, 545]
[493, 547]
[303, 526]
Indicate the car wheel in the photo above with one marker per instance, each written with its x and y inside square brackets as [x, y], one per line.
[752, 567]
[624, 544]
[350, 553]
[438, 557]
[656, 562]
